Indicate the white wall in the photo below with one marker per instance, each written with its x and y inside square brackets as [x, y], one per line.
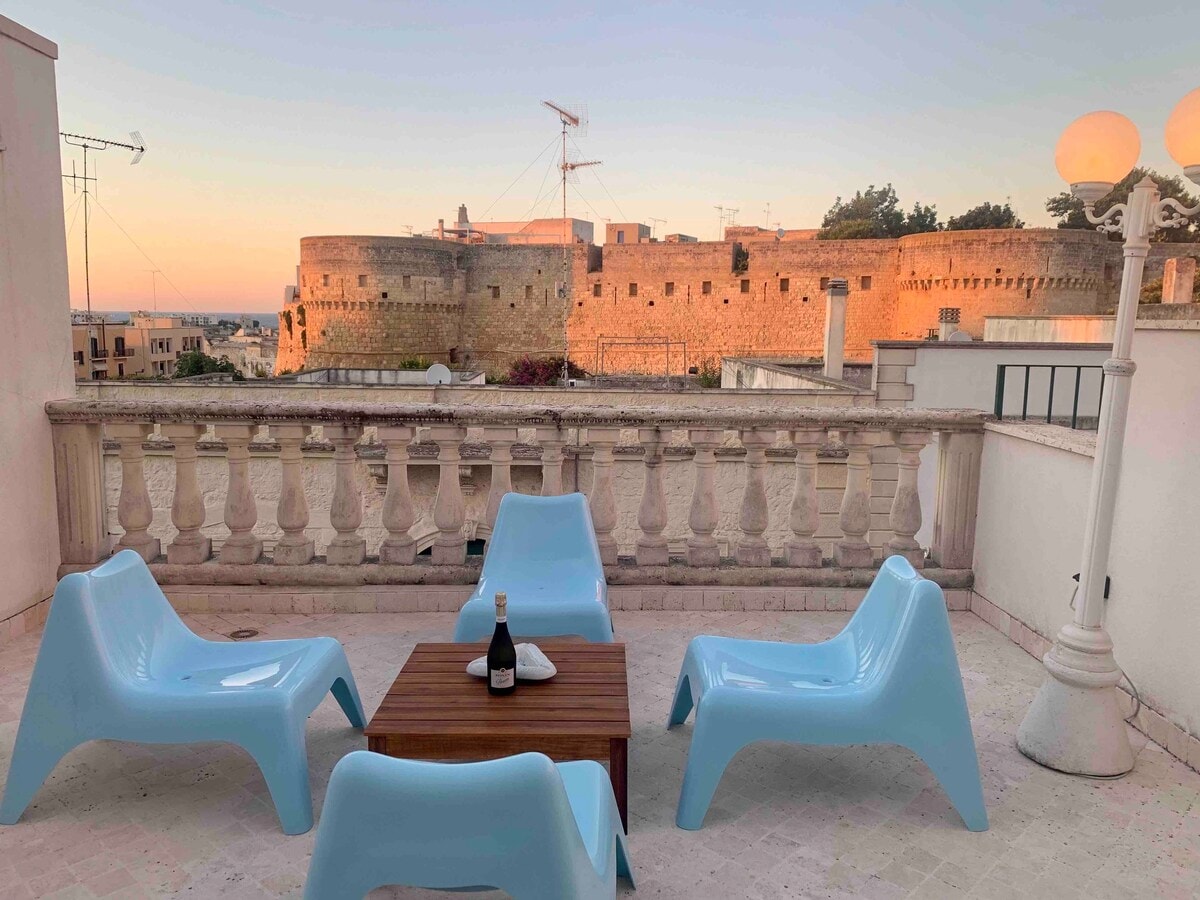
[36, 337]
[1061, 329]
[963, 376]
[1029, 535]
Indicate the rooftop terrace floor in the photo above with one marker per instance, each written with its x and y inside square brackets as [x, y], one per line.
[125, 820]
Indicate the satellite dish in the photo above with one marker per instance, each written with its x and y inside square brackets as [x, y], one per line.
[959, 337]
[780, 233]
[437, 374]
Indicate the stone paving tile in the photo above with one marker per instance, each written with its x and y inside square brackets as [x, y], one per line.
[129, 821]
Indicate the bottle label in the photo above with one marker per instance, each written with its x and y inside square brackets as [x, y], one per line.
[503, 678]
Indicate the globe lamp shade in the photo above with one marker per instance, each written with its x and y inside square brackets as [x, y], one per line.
[1095, 152]
[1183, 135]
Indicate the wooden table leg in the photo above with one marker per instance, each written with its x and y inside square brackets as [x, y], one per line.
[618, 771]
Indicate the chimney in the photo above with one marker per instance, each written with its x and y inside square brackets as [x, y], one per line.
[835, 327]
[948, 317]
[462, 215]
[1179, 280]
[441, 229]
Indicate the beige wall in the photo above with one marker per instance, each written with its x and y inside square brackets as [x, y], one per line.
[1032, 508]
[33, 292]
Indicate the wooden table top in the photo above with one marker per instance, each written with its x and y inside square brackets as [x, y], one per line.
[434, 695]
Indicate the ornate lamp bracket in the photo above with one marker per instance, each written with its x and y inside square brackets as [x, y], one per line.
[1170, 213]
[1111, 220]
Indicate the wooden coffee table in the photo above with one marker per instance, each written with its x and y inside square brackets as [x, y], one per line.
[435, 710]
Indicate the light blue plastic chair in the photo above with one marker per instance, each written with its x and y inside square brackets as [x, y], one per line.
[543, 553]
[890, 677]
[522, 824]
[117, 663]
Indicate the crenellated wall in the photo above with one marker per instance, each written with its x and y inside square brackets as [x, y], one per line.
[658, 307]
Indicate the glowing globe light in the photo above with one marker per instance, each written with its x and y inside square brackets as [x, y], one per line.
[1183, 134]
[1099, 148]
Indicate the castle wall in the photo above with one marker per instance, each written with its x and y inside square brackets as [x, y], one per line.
[645, 307]
[614, 327]
[1008, 272]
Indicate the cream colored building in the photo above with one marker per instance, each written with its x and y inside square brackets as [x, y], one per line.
[150, 345]
[158, 341]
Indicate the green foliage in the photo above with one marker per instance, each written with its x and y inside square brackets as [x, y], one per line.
[1070, 214]
[195, 363]
[541, 372]
[1152, 291]
[301, 319]
[259, 371]
[985, 215]
[286, 316]
[708, 373]
[875, 213]
[413, 362]
[283, 372]
[741, 260]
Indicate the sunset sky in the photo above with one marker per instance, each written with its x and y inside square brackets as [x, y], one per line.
[269, 121]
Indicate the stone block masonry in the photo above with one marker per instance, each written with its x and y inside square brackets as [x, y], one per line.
[652, 308]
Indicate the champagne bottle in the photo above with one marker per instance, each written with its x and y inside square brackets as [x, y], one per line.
[502, 655]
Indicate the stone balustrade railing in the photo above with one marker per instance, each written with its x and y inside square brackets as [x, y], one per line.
[846, 436]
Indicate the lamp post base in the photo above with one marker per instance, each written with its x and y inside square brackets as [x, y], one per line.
[1074, 724]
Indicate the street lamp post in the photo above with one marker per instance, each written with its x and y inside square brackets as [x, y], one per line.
[1074, 724]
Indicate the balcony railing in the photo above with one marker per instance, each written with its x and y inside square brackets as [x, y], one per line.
[832, 488]
[99, 354]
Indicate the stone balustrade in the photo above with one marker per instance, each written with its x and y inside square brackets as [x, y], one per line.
[679, 490]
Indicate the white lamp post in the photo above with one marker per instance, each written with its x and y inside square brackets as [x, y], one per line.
[1074, 724]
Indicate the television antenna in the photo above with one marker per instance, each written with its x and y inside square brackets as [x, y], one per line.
[570, 118]
[725, 216]
[654, 224]
[767, 212]
[85, 143]
[154, 273]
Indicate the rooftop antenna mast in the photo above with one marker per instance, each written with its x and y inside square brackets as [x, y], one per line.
[576, 119]
[654, 223]
[725, 216]
[85, 143]
[154, 273]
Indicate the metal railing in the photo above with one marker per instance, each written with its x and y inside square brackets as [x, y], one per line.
[1002, 384]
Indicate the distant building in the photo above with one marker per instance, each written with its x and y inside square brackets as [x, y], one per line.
[536, 231]
[681, 239]
[149, 345]
[626, 233]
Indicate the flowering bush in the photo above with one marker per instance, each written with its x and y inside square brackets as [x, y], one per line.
[540, 372]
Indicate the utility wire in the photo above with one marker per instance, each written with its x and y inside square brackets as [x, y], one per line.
[553, 141]
[539, 195]
[145, 254]
[585, 200]
[73, 206]
[592, 169]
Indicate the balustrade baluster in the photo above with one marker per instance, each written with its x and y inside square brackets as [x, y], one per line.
[241, 512]
[348, 548]
[601, 500]
[134, 511]
[853, 550]
[752, 549]
[652, 514]
[802, 548]
[190, 547]
[959, 455]
[552, 441]
[295, 548]
[702, 546]
[398, 548]
[502, 440]
[449, 510]
[906, 507]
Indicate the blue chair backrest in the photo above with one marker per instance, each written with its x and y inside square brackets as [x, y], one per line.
[876, 629]
[460, 825]
[538, 542]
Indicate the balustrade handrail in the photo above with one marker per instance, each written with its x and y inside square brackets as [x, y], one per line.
[383, 414]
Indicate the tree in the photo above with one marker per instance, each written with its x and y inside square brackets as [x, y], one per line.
[194, 362]
[875, 213]
[1152, 291]
[1069, 211]
[985, 215]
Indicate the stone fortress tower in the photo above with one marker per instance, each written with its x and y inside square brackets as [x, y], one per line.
[651, 307]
